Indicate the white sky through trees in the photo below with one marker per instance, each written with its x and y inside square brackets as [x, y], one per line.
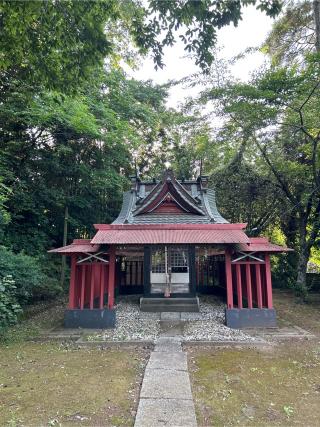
[251, 32]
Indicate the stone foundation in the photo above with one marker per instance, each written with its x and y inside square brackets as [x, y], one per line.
[91, 319]
[251, 318]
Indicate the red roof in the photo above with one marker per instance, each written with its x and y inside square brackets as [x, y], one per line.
[77, 246]
[169, 234]
[261, 244]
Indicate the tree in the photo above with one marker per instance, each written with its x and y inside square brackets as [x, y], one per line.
[295, 34]
[59, 43]
[278, 111]
[73, 154]
[195, 22]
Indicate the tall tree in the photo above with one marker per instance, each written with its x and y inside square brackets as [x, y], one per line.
[278, 111]
[59, 42]
[295, 34]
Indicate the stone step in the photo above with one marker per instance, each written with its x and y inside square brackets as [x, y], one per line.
[156, 305]
[175, 288]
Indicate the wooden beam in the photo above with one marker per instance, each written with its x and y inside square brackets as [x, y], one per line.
[92, 271]
[72, 287]
[258, 283]
[268, 281]
[239, 285]
[192, 269]
[229, 279]
[102, 285]
[83, 283]
[146, 270]
[111, 279]
[249, 285]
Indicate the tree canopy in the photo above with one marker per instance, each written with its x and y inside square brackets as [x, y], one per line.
[74, 126]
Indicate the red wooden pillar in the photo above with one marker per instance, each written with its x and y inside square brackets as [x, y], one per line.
[102, 285]
[229, 279]
[72, 288]
[83, 284]
[93, 267]
[249, 285]
[258, 282]
[268, 281]
[239, 285]
[111, 279]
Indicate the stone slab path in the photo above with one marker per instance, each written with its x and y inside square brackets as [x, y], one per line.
[165, 397]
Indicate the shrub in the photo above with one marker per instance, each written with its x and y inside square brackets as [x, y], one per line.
[30, 280]
[9, 306]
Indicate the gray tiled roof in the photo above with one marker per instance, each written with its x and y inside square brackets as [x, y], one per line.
[203, 199]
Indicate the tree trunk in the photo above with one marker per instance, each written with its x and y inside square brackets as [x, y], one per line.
[65, 235]
[303, 259]
[316, 13]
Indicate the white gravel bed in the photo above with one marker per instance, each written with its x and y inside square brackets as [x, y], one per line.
[207, 325]
[131, 323]
[210, 330]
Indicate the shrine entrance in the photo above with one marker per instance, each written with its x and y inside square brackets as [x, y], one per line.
[169, 270]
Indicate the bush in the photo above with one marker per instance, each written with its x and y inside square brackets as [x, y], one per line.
[284, 271]
[28, 274]
[9, 306]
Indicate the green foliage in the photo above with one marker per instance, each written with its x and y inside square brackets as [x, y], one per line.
[27, 273]
[196, 22]
[292, 35]
[268, 146]
[58, 44]
[73, 151]
[246, 196]
[4, 214]
[9, 306]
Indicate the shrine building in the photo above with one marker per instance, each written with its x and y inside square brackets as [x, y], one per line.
[170, 245]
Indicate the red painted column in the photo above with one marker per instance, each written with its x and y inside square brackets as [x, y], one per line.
[229, 279]
[72, 287]
[258, 282]
[249, 285]
[112, 269]
[92, 270]
[83, 284]
[268, 281]
[102, 285]
[239, 285]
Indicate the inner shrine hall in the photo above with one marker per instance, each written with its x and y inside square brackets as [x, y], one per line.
[170, 245]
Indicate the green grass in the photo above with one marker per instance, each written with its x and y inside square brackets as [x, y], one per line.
[51, 384]
[36, 320]
[43, 383]
[257, 388]
[275, 386]
[291, 310]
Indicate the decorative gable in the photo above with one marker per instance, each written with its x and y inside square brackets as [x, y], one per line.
[169, 201]
[169, 196]
[169, 205]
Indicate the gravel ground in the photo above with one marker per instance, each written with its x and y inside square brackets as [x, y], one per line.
[208, 325]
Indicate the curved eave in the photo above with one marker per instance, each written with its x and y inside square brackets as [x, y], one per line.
[78, 246]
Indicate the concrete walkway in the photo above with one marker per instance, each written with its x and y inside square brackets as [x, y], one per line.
[165, 397]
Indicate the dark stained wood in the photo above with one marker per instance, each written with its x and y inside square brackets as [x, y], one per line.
[146, 270]
[192, 269]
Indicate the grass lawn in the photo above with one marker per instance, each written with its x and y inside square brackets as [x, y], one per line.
[291, 310]
[59, 384]
[275, 386]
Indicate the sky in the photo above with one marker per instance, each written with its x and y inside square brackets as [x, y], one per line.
[251, 32]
